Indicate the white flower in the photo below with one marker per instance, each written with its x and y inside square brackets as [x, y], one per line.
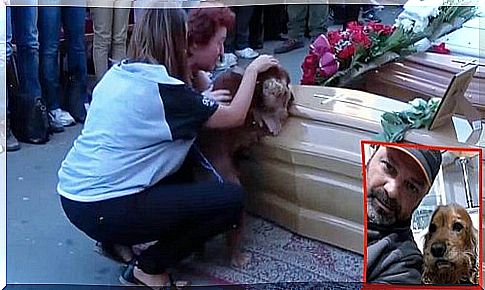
[420, 25]
[422, 8]
[405, 23]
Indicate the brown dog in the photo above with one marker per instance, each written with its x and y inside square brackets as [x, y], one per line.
[266, 116]
[450, 248]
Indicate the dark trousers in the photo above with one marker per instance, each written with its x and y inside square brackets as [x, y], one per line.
[239, 39]
[181, 217]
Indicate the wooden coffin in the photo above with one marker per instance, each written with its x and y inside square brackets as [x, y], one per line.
[309, 177]
[425, 75]
[428, 74]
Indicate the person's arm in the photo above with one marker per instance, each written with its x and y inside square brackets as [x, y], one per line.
[235, 114]
[399, 265]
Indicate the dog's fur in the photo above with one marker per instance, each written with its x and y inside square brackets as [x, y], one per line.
[450, 248]
[266, 116]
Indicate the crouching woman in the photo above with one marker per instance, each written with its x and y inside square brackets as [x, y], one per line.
[123, 181]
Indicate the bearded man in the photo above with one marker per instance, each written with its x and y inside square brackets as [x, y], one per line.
[397, 178]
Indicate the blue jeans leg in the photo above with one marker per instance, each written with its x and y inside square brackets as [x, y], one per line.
[24, 20]
[73, 19]
[9, 33]
[49, 26]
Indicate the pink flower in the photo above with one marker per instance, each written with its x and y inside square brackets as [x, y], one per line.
[328, 64]
[320, 45]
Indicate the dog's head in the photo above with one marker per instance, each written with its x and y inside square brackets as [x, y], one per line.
[271, 99]
[450, 248]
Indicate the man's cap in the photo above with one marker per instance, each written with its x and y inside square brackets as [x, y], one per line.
[428, 160]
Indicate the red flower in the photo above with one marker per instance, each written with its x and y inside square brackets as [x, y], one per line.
[376, 27]
[361, 38]
[355, 26]
[334, 37]
[381, 28]
[308, 78]
[347, 51]
[388, 30]
[309, 67]
[440, 48]
[310, 61]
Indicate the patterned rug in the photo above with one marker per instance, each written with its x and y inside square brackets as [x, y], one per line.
[277, 255]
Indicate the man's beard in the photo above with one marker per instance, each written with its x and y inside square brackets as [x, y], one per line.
[377, 215]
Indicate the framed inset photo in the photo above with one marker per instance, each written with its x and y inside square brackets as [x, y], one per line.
[422, 209]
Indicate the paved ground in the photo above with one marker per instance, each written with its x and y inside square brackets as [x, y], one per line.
[42, 246]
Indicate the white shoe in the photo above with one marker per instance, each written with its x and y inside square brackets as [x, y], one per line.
[228, 60]
[62, 117]
[247, 53]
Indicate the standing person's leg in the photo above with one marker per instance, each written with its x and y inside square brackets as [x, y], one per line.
[102, 26]
[317, 20]
[9, 33]
[49, 24]
[296, 28]
[73, 19]
[30, 123]
[26, 36]
[120, 29]
[256, 28]
[243, 17]
[12, 142]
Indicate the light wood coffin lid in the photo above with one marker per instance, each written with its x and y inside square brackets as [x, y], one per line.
[425, 75]
[319, 151]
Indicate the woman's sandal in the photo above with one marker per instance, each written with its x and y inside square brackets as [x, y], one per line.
[119, 253]
[128, 278]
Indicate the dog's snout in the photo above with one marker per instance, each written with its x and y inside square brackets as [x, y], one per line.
[438, 249]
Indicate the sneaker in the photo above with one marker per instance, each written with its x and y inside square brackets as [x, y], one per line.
[370, 15]
[247, 53]
[12, 142]
[127, 277]
[289, 45]
[62, 117]
[228, 60]
[55, 126]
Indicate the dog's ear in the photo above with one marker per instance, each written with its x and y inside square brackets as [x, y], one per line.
[229, 80]
[428, 234]
[473, 239]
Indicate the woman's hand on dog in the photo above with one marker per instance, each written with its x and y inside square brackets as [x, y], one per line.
[263, 63]
[222, 96]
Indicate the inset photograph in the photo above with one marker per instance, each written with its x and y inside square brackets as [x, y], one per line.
[423, 211]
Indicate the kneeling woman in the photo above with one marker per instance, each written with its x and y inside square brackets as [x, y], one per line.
[122, 181]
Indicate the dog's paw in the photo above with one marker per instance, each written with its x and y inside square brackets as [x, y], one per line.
[240, 260]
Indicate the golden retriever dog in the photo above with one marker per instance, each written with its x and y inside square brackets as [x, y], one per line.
[450, 248]
[266, 116]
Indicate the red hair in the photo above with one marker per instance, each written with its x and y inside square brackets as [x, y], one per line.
[204, 22]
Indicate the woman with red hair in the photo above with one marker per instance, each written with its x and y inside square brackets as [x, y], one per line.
[207, 30]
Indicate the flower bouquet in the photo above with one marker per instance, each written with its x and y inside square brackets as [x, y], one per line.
[338, 58]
